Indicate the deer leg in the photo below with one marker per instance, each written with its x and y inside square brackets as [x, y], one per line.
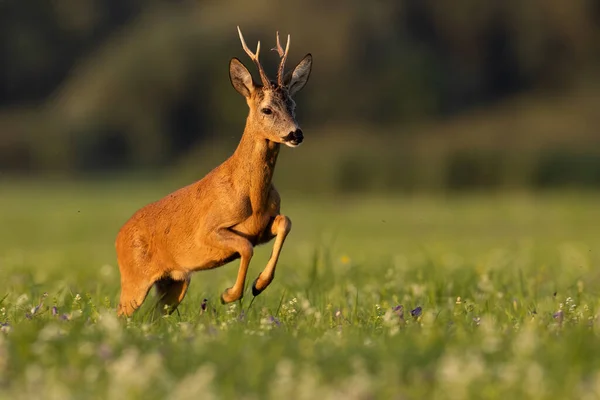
[280, 227]
[136, 266]
[170, 293]
[228, 240]
[133, 294]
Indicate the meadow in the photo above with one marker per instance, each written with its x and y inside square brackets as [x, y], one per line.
[482, 296]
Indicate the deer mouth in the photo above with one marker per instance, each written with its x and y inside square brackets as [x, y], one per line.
[294, 139]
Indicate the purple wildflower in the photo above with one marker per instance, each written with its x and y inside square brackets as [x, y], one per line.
[35, 309]
[274, 321]
[54, 311]
[104, 351]
[28, 315]
[416, 312]
[5, 327]
[64, 317]
[212, 331]
[203, 305]
[559, 315]
[399, 310]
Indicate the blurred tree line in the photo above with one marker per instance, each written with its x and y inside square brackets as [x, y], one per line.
[405, 94]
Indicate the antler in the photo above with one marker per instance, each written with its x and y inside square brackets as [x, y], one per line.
[263, 76]
[283, 56]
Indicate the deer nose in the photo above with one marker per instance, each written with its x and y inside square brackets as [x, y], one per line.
[294, 138]
[297, 135]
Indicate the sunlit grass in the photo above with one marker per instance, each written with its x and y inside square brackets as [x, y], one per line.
[461, 297]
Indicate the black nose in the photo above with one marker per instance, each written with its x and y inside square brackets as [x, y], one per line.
[297, 135]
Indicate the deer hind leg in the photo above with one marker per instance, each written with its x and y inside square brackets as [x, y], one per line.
[280, 227]
[170, 293]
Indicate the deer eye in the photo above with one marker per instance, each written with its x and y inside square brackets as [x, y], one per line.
[267, 111]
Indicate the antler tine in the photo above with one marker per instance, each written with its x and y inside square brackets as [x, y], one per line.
[254, 57]
[278, 49]
[245, 47]
[283, 55]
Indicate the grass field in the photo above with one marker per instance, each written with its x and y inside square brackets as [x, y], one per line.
[491, 297]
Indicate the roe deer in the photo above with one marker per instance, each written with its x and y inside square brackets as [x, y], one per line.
[224, 215]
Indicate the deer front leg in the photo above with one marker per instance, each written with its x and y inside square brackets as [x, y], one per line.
[280, 227]
[228, 240]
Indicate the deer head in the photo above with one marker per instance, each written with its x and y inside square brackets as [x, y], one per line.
[272, 109]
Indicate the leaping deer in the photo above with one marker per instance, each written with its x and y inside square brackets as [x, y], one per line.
[225, 214]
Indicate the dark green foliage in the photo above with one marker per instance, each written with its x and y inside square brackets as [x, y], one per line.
[94, 86]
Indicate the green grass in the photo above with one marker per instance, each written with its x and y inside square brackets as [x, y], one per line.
[508, 287]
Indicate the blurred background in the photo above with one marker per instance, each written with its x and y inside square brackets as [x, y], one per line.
[405, 96]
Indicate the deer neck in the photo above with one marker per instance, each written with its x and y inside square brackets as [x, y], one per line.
[254, 161]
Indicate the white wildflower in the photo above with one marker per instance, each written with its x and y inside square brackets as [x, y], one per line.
[50, 332]
[108, 322]
[21, 300]
[283, 386]
[131, 374]
[196, 385]
[533, 384]
[107, 271]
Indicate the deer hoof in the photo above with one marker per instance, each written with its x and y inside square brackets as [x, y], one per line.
[256, 291]
[227, 297]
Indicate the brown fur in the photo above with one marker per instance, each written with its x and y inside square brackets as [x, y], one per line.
[221, 217]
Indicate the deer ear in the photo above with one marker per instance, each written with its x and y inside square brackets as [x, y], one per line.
[297, 78]
[240, 77]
